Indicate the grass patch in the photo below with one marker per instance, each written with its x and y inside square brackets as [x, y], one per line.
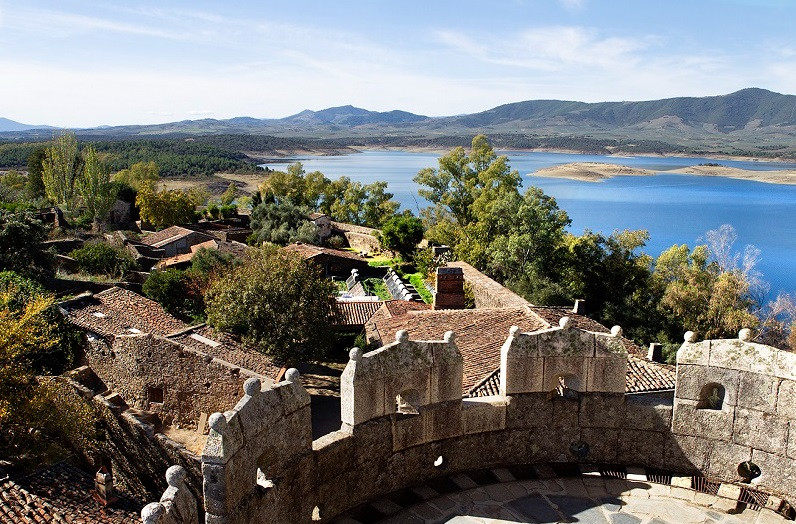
[384, 261]
[417, 280]
[376, 286]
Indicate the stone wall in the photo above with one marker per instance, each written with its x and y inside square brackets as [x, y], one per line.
[404, 422]
[161, 376]
[735, 402]
[487, 292]
[359, 237]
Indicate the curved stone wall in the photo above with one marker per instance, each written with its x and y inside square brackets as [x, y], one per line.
[562, 401]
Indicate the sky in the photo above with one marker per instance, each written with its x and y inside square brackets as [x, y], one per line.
[82, 63]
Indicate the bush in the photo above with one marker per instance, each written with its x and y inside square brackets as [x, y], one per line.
[176, 291]
[100, 258]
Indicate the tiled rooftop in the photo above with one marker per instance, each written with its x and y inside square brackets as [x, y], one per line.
[167, 235]
[118, 311]
[225, 347]
[309, 251]
[352, 313]
[62, 494]
[235, 248]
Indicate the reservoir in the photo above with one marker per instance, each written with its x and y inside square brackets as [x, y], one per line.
[675, 209]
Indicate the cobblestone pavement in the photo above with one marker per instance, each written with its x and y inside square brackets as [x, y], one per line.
[586, 500]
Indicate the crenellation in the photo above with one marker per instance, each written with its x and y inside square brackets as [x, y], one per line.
[404, 421]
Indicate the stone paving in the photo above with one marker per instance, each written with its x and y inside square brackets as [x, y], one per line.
[587, 500]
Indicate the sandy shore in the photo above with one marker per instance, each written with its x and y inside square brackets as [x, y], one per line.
[597, 171]
[591, 171]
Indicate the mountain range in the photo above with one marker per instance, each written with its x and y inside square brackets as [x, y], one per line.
[747, 115]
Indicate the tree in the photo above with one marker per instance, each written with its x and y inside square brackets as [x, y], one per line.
[139, 175]
[94, 184]
[60, 169]
[229, 195]
[177, 292]
[20, 244]
[36, 419]
[12, 186]
[277, 302]
[165, 208]
[402, 233]
[281, 223]
[35, 186]
[99, 258]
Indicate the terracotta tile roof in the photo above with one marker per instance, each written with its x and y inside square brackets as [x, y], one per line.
[116, 311]
[352, 313]
[227, 348]
[480, 333]
[62, 494]
[646, 376]
[164, 235]
[236, 248]
[309, 251]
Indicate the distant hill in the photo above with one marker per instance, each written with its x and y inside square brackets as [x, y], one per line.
[748, 107]
[10, 125]
[749, 122]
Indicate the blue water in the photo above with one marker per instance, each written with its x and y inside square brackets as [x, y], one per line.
[675, 209]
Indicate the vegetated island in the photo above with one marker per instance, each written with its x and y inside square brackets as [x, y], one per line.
[598, 171]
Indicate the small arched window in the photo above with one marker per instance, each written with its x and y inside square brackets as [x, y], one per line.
[407, 402]
[711, 396]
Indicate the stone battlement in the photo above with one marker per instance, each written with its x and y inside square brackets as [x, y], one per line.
[561, 400]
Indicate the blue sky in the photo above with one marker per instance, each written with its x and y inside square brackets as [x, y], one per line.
[87, 63]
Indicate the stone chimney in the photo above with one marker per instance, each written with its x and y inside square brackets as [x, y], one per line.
[580, 307]
[103, 486]
[655, 352]
[450, 288]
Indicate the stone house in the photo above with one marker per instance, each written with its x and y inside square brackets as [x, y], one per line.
[334, 262]
[175, 240]
[323, 225]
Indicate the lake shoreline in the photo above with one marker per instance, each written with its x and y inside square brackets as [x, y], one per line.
[599, 171]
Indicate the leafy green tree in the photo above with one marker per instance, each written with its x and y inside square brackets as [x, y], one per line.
[20, 244]
[99, 258]
[12, 186]
[402, 233]
[165, 208]
[229, 195]
[35, 186]
[139, 175]
[281, 223]
[60, 169]
[276, 302]
[97, 191]
[177, 292]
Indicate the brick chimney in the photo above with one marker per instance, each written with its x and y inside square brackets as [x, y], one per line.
[450, 288]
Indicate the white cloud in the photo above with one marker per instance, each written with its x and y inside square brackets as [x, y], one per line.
[572, 5]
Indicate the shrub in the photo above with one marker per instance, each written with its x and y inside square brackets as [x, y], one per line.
[100, 258]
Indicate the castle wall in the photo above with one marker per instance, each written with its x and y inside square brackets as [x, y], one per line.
[161, 376]
[405, 423]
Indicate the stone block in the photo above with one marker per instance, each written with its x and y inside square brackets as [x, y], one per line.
[776, 474]
[706, 423]
[791, 452]
[360, 401]
[686, 453]
[334, 452]
[758, 391]
[292, 396]
[648, 413]
[483, 414]
[519, 374]
[694, 353]
[565, 342]
[724, 459]
[407, 431]
[786, 365]
[602, 442]
[603, 411]
[574, 369]
[441, 421]
[607, 374]
[760, 430]
[744, 356]
[786, 399]
[565, 414]
[609, 346]
[691, 379]
[530, 410]
[641, 447]
[446, 381]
